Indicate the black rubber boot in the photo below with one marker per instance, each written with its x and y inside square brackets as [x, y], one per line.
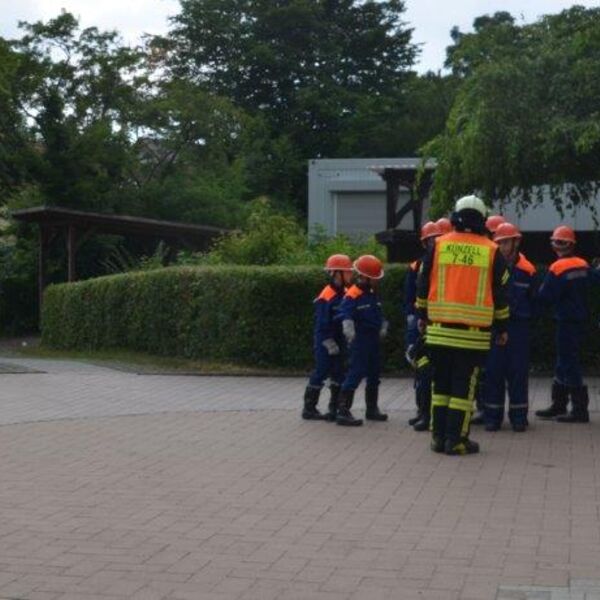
[422, 424]
[424, 404]
[419, 414]
[457, 442]
[478, 418]
[579, 412]
[437, 444]
[518, 419]
[334, 388]
[311, 399]
[344, 416]
[371, 399]
[560, 399]
[416, 418]
[464, 446]
[438, 427]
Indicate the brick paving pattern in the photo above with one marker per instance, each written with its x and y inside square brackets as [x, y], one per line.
[120, 486]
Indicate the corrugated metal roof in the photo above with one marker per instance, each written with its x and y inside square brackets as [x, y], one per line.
[408, 163]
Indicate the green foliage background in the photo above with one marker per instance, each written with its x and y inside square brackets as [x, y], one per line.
[525, 113]
[238, 96]
[228, 106]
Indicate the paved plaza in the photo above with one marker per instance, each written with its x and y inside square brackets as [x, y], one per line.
[119, 486]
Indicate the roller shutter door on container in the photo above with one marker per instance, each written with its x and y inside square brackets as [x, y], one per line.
[359, 213]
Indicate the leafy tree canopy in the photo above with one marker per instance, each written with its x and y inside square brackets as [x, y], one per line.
[526, 112]
[308, 69]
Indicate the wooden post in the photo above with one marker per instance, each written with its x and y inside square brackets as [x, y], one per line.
[392, 191]
[422, 190]
[72, 252]
[417, 210]
[42, 256]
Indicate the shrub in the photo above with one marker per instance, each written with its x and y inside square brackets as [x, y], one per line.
[18, 292]
[272, 238]
[249, 315]
[258, 316]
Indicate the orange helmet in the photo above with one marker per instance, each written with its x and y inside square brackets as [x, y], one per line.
[563, 233]
[338, 262]
[369, 266]
[444, 225]
[430, 229]
[493, 222]
[506, 231]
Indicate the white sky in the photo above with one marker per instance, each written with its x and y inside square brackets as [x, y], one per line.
[432, 20]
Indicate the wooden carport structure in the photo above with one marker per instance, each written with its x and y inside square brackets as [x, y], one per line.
[77, 226]
[417, 178]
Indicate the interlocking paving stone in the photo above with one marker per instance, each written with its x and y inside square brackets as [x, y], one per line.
[119, 486]
[71, 389]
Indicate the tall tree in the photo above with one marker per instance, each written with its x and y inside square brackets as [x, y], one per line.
[305, 67]
[189, 166]
[107, 131]
[80, 90]
[400, 125]
[526, 113]
[16, 151]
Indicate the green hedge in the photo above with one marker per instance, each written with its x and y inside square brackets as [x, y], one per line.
[258, 316]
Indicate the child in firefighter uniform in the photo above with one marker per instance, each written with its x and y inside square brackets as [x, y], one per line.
[364, 326]
[566, 288]
[329, 342]
[509, 364]
[415, 348]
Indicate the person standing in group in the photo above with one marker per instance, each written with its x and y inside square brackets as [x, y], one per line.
[491, 225]
[461, 293]
[566, 288]
[329, 342]
[510, 363]
[414, 353]
[364, 326]
[444, 225]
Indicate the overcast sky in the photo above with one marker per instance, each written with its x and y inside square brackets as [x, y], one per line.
[432, 20]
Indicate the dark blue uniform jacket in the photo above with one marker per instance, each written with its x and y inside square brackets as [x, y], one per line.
[566, 288]
[364, 308]
[327, 306]
[521, 289]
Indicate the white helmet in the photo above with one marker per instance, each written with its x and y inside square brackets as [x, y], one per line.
[473, 203]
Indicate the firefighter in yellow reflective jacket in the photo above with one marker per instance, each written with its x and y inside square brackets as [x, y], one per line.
[461, 304]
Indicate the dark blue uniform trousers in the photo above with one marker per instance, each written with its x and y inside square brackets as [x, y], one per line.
[327, 366]
[508, 366]
[364, 361]
[569, 339]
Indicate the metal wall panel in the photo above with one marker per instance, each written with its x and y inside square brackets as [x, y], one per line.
[359, 213]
